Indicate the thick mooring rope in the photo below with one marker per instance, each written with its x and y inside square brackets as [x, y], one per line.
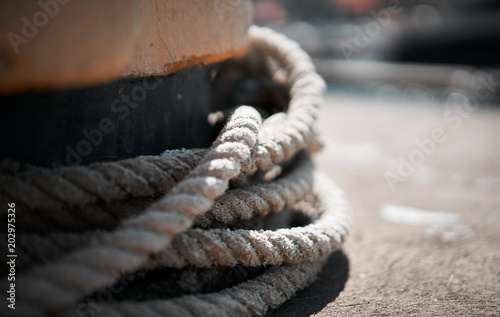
[83, 224]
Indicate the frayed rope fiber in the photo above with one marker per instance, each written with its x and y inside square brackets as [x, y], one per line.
[85, 228]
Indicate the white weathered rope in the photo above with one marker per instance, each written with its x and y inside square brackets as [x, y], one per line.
[205, 248]
[166, 195]
[252, 298]
[74, 192]
[84, 185]
[232, 206]
[127, 248]
[255, 297]
[261, 199]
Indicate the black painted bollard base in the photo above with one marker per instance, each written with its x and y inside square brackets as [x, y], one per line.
[117, 120]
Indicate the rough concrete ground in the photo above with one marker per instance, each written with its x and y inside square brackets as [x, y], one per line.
[400, 269]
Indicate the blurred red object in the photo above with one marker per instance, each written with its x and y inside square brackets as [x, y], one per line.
[269, 11]
[359, 7]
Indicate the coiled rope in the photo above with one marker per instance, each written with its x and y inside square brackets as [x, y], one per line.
[138, 214]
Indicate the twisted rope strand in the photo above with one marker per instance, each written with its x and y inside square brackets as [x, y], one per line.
[62, 283]
[239, 204]
[251, 298]
[232, 206]
[282, 134]
[143, 176]
[203, 248]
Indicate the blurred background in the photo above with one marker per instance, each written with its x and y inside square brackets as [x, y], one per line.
[418, 48]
